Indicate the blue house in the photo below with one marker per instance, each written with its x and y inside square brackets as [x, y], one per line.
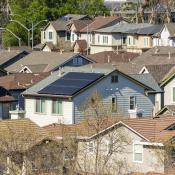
[60, 97]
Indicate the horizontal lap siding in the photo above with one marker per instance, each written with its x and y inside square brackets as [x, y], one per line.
[126, 88]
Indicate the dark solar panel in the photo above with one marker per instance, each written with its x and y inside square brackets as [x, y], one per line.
[71, 83]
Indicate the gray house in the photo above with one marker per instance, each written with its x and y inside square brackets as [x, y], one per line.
[59, 97]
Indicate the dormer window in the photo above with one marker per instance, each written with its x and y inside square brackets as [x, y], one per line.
[77, 61]
[114, 79]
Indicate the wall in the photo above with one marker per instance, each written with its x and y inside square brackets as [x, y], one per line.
[121, 160]
[48, 118]
[122, 91]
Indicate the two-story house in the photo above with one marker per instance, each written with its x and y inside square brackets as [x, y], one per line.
[60, 97]
[166, 37]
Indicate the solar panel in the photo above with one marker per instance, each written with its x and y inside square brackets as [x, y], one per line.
[70, 83]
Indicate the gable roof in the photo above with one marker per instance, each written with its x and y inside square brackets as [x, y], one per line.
[159, 71]
[20, 135]
[113, 57]
[76, 16]
[51, 59]
[150, 129]
[51, 46]
[102, 21]
[82, 45]
[21, 80]
[171, 29]
[167, 109]
[80, 24]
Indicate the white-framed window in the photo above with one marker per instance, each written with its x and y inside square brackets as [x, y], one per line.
[132, 102]
[50, 35]
[44, 33]
[57, 107]
[91, 147]
[114, 79]
[173, 94]
[98, 38]
[138, 152]
[129, 41]
[77, 61]
[105, 39]
[114, 104]
[68, 36]
[73, 37]
[133, 41]
[40, 105]
[146, 41]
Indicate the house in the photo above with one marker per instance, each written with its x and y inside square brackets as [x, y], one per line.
[113, 57]
[15, 84]
[61, 96]
[58, 33]
[99, 22]
[125, 146]
[27, 149]
[9, 57]
[80, 46]
[166, 37]
[39, 61]
[130, 37]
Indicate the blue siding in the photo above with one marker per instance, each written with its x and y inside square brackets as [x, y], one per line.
[122, 90]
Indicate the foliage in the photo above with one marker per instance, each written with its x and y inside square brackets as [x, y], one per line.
[26, 11]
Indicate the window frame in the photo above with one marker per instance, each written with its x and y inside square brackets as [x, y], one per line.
[114, 79]
[40, 106]
[105, 39]
[57, 101]
[91, 148]
[114, 109]
[142, 152]
[130, 102]
[77, 61]
[50, 38]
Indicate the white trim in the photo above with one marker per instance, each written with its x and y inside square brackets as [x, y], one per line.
[135, 161]
[173, 102]
[25, 67]
[144, 69]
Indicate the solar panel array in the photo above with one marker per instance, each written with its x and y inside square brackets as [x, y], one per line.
[71, 83]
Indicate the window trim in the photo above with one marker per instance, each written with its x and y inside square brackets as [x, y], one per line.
[58, 114]
[51, 39]
[114, 110]
[142, 152]
[91, 142]
[77, 62]
[134, 102]
[114, 79]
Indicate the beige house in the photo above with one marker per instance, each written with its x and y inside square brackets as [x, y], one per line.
[116, 146]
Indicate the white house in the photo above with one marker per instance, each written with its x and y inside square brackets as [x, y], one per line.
[61, 96]
[166, 37]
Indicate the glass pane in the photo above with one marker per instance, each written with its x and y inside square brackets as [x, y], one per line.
[60, 107]
[53, 107]
[37, 105]
[173, 94]
[138, 157]
[138, 148]
[42, 105]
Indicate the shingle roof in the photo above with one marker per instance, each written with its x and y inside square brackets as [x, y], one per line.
[148, 80]
[102, 21]
[113, 57]
[82, 45]
[152, 129]
[80, 24]
[51, 59]
[169, 108]
[159, 71]
[20, 135]
[59, 25]
[75, 16]
[171, 29]
[51, 46]
[7, 98]
[21, 80]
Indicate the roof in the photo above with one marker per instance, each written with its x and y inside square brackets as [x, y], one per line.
[80, 24]
[33, 91]
[7, 98]
[113, 57]
[171, 29]
[75, 16]
[20, 134]
[141, 28]
[82, 45]
[159, 71]
[102, 21]
[51, 59]
[21, 80]
[59, 25]
[167, 109]
[154, 129]
[6, 55]
[51, 46]
[148, 80]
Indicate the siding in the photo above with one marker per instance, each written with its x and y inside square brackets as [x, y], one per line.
[48, 118]
[122, 90]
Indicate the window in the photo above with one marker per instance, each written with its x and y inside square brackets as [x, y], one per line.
[50, 36]
[138, 153]
[67, 36]
[173, 94]
[134, 41]
[114, 79]
[73, 37]
[40, 105]
[98, 38]
[145, 41]
[105, 39]
[132, 102]
[114, 104]
[44, 34]
[57, 107]
[77, 61]
[124, 39]
[91, 147]
[129, 41]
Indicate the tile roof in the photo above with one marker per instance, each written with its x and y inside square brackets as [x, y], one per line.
[113, 57]
[51, 59]
[20, 134]
[21, 80]
[152, 129]
[102, 21]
